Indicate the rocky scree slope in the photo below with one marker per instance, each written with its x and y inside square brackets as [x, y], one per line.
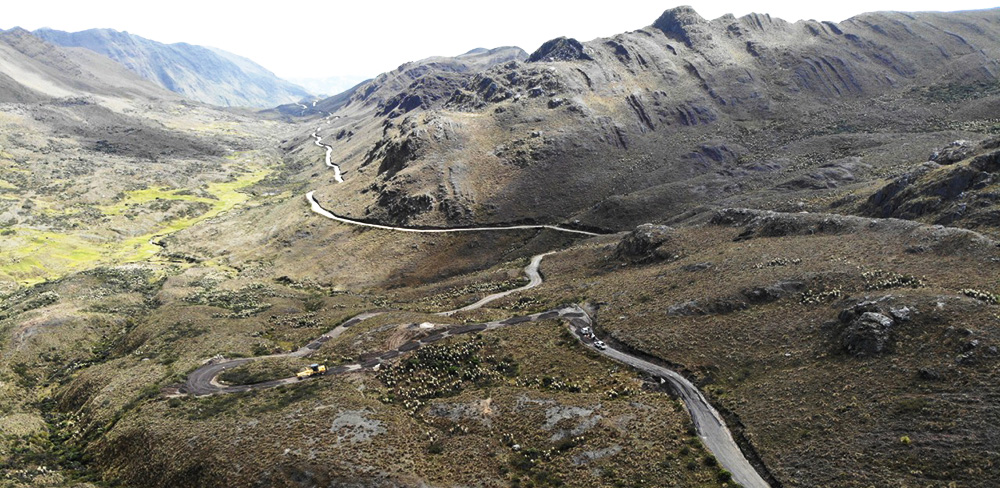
[201, 73]
[664, 120]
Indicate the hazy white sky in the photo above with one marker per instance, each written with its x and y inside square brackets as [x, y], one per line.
[361, 38]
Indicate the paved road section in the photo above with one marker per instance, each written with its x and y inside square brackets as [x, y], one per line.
[707, 421]
[329, 152]
[318, 209]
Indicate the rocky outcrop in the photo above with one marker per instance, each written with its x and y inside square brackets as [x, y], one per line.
[647, 242]
[830, 175]
[680, 23]
[955, 152]
[762, 223]
[765, 223]
[868, 328]
[400, 208]
[772, 293]
[868, 335]
[987, 163]
[749, 297]
[426, 84]
[560, 49]
[958, 192]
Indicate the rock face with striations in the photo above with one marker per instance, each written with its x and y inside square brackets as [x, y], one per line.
[681, 23]
[672, 119]
[201, 73]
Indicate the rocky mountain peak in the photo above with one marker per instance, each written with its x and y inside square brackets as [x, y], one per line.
[559, 49]
[17, 31]
[18, 36]
[676, 22]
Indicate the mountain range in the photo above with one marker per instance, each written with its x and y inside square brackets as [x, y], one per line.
[200, 73]
[665, 119]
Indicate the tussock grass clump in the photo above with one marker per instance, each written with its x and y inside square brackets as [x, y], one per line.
[983, 296]
[777, 262]
[879, 279]
[816, 296]
[439, 371]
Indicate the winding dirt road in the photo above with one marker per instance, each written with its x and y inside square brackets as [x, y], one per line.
[708, 423]
[203, 380]
[534, 279]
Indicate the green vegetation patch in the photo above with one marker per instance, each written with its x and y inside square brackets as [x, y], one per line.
[140, 197]
[127, 279]
[29, 256]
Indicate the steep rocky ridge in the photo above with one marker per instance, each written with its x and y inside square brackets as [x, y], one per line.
[425, 84]
[201, 73]
[665, 119]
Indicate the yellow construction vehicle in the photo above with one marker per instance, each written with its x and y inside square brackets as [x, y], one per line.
[311, 370]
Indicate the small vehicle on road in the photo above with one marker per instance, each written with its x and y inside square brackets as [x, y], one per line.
[587, 332]
[600, 345]
[311, 370]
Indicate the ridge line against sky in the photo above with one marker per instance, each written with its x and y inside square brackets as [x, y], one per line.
[359, 40]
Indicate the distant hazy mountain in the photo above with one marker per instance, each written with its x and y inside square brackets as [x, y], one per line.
[33, 70]
[200, 73]
[328, 86]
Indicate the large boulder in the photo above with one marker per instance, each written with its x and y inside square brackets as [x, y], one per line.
[868, 335]
[647, 242]
[868, 328]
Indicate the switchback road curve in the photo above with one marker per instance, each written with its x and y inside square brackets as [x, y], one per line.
[708, 423]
